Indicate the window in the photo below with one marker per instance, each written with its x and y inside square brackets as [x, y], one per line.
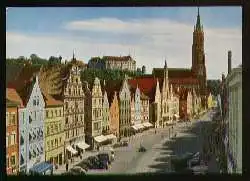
[34, 102]
[13, 160]
[52, 143]
[47, 130]
[21, 140]
[66, 120]
[56, 113]
[22, 160]
[13, 119]
[13, 139]
[7, 161]
[37, 102]
[95, 126]
[30, 119]
[47, 114]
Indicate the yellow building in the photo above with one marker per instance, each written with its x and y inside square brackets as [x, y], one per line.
[210, 102]
[54, 130]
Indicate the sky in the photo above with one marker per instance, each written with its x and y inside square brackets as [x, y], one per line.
[149, 34]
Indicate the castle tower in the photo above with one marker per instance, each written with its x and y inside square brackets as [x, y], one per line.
[198, 58]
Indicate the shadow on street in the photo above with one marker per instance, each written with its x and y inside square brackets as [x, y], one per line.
[193, 142]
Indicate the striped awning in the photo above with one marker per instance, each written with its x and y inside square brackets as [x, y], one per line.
[147, 124]
[110, 136]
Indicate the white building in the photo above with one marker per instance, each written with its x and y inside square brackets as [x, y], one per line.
[234, 82]
[31, 130]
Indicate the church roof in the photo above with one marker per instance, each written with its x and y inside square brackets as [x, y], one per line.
[173, 72]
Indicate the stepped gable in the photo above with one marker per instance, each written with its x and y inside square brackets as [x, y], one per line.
[13, 96]
[147, 86]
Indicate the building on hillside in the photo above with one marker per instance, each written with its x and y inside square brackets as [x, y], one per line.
[234, 149]
[13, 103]
[94, 113]
[190, 78]
[54, 130]
[31, 121]
[125, 63]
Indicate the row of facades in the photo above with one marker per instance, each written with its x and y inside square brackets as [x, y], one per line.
[44, 127]
[231, 109]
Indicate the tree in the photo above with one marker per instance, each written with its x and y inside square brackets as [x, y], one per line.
[54, 60]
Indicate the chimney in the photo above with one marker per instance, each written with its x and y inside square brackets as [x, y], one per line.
[229, 61]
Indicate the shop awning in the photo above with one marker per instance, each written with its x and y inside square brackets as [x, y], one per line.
[70, 149]
[110, 136]
[82, 145]
[147, 124]
[41, 167]
[134, 127]
[139, 126]
[176, 115]
[100, 138]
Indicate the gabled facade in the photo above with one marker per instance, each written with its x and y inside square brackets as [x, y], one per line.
[138, 119]
[106, 114]
[54, 130]
[156, 107]
[73, 97]
[144, 108]
[125, 110]
[94, 112]
[13, 103]
[31, 130]
[114, 114]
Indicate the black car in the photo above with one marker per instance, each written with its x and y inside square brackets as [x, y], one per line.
[76, 171]
[142, 149]
[104, 157]
[96, 163]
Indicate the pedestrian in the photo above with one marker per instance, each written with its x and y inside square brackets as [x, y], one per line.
[67, 165]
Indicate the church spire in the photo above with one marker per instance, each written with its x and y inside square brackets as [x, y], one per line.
[198, 21]
[74, 55]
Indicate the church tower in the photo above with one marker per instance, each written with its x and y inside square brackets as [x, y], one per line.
[198, 58]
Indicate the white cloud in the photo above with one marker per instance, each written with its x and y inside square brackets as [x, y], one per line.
[159, 38]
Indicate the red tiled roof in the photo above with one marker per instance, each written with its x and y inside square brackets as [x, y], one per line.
[23, 84]
[50, 100]
[12, 95]
[146, 85]
[173, 72]
[117, 58]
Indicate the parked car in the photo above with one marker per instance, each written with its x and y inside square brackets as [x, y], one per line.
[96, 163]
[120, 144]
[104, 157]
[84, 165]
[77, 171]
